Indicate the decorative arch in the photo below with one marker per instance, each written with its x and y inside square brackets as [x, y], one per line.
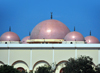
[39, 62]
[20, 69]
[1, 62]
[20, 62]
[59, 63]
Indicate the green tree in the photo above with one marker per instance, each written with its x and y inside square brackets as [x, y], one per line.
[83, 64]
[97, 68]
[44, 69]
[31, 71]
[8, 69]
[23, 72]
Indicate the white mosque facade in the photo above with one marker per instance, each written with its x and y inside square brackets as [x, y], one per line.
[51, 43]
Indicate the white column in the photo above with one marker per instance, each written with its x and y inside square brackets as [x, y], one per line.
[8, 56]
[53, 56]
[75, 53]
[98, 56]
[30, 59]
[53, 64]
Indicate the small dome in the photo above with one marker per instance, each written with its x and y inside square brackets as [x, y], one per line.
[49, 29]
[91, 39]
[9, 36]
[74, 36]
[25, 39]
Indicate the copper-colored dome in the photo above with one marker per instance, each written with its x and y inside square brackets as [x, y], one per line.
[25, 39]
[91, 39]
[9, 36]
[49, 29]
[74, 36]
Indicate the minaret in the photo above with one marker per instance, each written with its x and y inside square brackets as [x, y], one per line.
[74, 28]
[51, 15]
[90, 32]
[29, 33]
[10, 28]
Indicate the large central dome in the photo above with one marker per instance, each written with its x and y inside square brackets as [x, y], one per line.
[49, 29]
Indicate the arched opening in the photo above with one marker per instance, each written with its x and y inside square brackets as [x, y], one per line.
[59, 66]
[39, 63]
[21, 65]
[21, 69]
[20, 61]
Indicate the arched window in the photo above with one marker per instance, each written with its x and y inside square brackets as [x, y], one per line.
[20, 69]
[62, 70]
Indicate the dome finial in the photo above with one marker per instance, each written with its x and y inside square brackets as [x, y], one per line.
[51, 15]
[10, 28]
[74, 28]
[90, 32]
[29, 33]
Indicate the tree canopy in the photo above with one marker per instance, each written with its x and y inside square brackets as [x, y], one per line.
[83, 64]
[9, 69]
[43, 69]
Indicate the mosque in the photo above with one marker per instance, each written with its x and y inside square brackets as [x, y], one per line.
[50, 43]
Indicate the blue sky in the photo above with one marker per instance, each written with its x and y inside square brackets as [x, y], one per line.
[24, 15]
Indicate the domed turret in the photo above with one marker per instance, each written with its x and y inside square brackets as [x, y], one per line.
[9, 36]
[91, 39]
[74, 36]
[49, 29]
[25, 39]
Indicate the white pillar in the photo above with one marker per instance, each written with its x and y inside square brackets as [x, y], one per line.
[8, 56]
[53, 55]
[75, 53]
[53, 64]
[98, 56]
[30, 59]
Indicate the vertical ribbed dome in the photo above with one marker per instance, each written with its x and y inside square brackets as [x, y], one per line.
[49, 29]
